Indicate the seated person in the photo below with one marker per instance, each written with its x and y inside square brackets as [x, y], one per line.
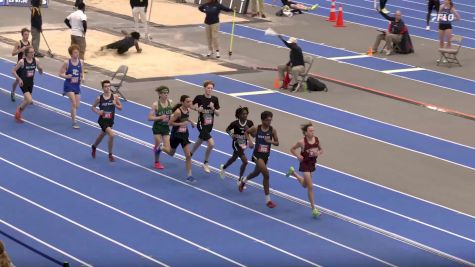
[394, 35]
[289, 8]
[296, 65]
[126, 43]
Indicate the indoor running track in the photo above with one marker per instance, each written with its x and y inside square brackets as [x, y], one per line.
[74, 206]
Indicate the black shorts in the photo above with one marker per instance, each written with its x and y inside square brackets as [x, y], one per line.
[444, 27]
[174, 142]
[104, 124]
[27, 88]
[237, 149]
[256, 157]
[205, 133]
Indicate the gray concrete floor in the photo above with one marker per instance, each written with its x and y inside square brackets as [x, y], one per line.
[410, 172]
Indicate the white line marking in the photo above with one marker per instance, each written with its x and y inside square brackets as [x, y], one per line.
[263, 92]
[402, 70]
[347, 57]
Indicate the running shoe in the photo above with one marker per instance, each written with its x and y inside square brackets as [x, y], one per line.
[206, 167]
[315, 213]
[190, 179]
[427, 28]
[12, 96]
[314, 7]
[75, 125]
[18, 117]
[271, 204]
[241, 186]
[93, 152]
[159, 166]
[239, 182]
[111, 158]
[222, 172]
[385, 11]
[290, 171]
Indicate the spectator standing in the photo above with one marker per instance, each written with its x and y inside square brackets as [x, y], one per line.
[212, 9]
[139, 12]
[36, 26]
[77, 22]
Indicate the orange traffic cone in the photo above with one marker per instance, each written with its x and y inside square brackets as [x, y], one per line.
[339, 21]
[370, 52]
[276, 83]
[332, 16]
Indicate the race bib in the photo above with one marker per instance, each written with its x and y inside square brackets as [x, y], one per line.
[242, 143]
[107, 115]
[207, 119]
[263, 149]
[182, 129]
[75, 80]
[312, 153]
[30, 73]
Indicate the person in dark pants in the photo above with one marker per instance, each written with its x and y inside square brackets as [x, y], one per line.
[431, 5]
[36, 26]
[19, 50]
[296, 65]
[125, 44]
[212, 9]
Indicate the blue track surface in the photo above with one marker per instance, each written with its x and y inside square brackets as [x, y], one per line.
[157, 214]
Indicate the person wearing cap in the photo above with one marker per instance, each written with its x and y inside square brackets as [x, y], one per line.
[160, 114]
[125, 44]
[296, 65]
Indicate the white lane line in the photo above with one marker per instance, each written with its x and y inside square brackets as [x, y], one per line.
[402, 70]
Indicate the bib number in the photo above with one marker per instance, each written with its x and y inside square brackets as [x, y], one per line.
[182, 129]
[207, 119]
[30, 73]
[107, 115]
[242, 143]
[75, 80]
[263, 149]
[312, 153]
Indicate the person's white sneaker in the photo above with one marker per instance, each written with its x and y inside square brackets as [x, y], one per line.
[385, 11]
[427, 28]
[222, 172]
[206, 168]
[217, 54]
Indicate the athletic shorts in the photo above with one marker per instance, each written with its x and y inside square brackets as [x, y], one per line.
[161, 129]
[75, 90]
[307, 166]
[27, 88]
[256, 157]
[174, 142]
[104, 124]
[205, 132]
[444, 27]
